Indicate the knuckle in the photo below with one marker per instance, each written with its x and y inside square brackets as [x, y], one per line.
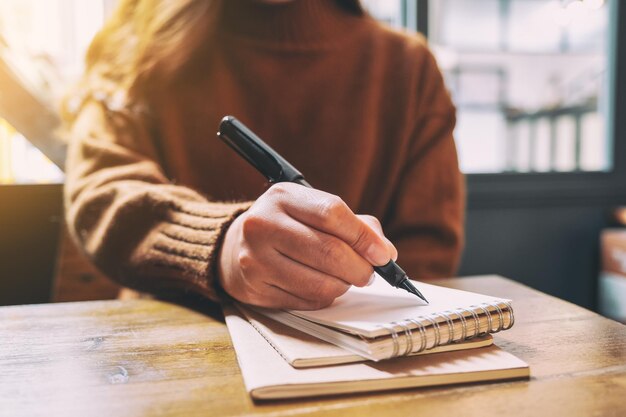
[278, 190]
[246, 262]
[252, 225]
[371, 219]
[332, 207]
[362, 239]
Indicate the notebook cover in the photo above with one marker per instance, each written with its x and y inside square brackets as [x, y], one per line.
[267, 376]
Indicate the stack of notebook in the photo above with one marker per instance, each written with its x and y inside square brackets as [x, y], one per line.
[373, 338]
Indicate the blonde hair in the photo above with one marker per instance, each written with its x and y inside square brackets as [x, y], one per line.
[146, 43]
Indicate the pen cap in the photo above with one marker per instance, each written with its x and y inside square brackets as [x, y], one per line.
[258, 153]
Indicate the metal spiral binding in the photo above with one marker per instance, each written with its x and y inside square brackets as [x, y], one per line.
[511, 315]
[435, 328]
[485, 308]
[500, 317]
[476, 322]
[409, 338]
[450, 323]
[394, 338]
[408, 334]
[422, 331]
[459, 313]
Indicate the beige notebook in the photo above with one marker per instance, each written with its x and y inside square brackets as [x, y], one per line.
[268, 376]
[381, 322]
[302, 350]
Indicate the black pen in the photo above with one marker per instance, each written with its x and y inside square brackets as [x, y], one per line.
[276, 169]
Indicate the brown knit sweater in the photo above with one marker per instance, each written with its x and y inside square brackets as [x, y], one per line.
[360, 109]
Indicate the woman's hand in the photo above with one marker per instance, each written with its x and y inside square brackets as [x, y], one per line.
[300, 248]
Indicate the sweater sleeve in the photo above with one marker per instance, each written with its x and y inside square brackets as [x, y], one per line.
[426, 223]
[133, 223]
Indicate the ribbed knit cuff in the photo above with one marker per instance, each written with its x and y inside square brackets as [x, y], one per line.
[182, 252]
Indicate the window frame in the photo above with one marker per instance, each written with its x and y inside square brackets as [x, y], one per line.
[533, 189]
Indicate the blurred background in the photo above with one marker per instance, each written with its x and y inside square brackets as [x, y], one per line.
[539, 87]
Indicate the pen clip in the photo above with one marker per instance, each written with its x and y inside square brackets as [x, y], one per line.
[258, 153]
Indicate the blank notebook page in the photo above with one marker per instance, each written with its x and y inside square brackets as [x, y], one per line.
[364, 310]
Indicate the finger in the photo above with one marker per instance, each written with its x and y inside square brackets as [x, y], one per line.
[374, 223]
[328, 213]
[323, 253]
[271, 296]
[305, 282]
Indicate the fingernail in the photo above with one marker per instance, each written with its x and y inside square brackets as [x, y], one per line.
[372, 278]
[377, 254]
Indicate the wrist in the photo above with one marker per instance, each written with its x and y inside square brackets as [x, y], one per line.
[225, 264]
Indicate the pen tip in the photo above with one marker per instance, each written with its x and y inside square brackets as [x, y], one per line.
[406, 285]
[420, 295]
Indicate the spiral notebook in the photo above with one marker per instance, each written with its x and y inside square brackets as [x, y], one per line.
[301, 350]
[381, 322]
[268, 376]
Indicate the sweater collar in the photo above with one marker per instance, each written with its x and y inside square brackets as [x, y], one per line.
[290, 23]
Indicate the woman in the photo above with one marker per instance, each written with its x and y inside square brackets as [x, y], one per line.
[158, 203]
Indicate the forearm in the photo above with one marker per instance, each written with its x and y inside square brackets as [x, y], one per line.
[136, 226]
[147, 238]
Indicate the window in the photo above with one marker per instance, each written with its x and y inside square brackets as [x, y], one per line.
[42, 44]
[530, 79]
[396, 13]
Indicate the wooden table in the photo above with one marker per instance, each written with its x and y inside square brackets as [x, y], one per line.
[152, 358]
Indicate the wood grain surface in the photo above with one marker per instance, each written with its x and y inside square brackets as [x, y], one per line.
[155, 358]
